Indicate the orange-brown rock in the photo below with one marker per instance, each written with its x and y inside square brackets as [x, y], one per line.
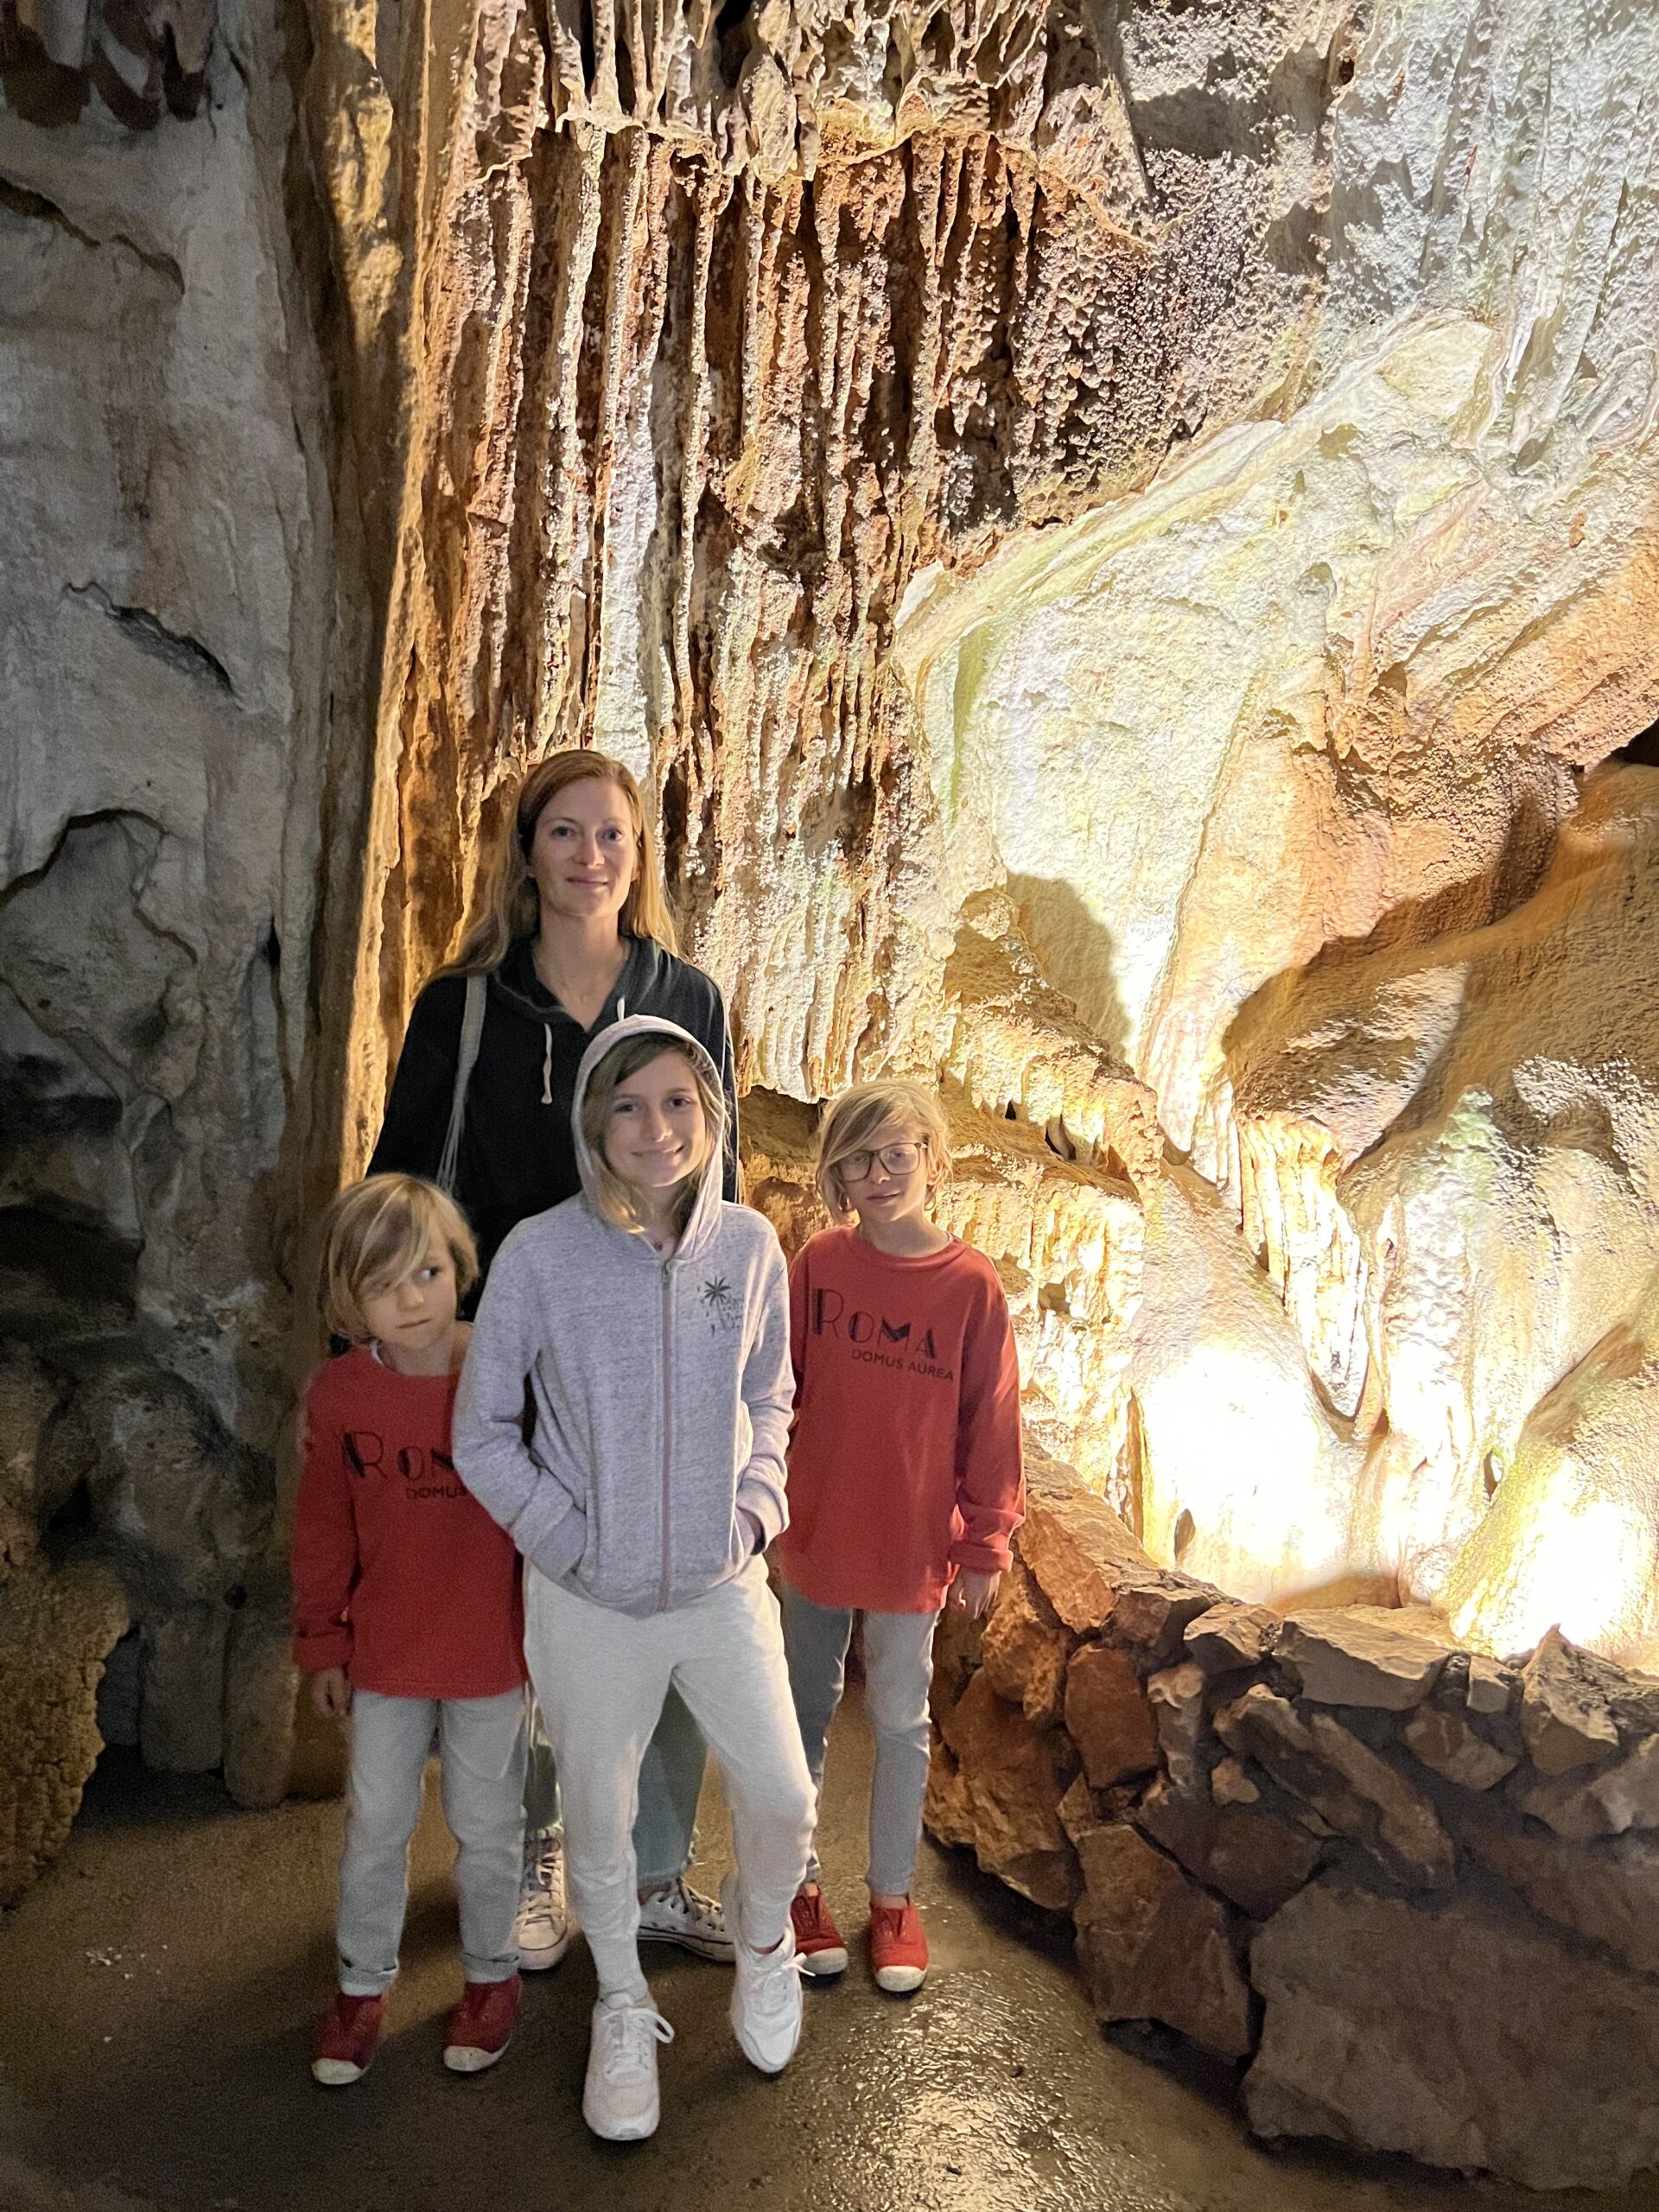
[1251, 1857]
[1078, 1550]
[1155, 1947]
[1109, 1716]
[1024, 1648]
[1003, 1797]
[1230, 1636]
[1565, 1722]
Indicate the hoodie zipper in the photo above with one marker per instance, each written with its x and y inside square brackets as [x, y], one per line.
[667, 1424]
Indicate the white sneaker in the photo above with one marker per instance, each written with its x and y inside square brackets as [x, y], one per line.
[619, 2099]
[543, 1928]
[766, 2001]
[683, 1915]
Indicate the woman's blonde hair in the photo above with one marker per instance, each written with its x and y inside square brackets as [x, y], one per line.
[854, 1121]
[611, 1194]
[374, 1232]
[509, 904]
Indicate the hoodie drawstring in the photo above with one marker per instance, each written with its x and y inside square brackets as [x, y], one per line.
[547, 1064]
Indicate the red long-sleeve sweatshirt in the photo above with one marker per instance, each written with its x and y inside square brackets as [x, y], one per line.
[400, 1576]
[905, 1458]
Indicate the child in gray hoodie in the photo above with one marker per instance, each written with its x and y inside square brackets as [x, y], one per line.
[649, 1319]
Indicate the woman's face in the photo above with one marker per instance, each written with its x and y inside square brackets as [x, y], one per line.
[656, 1133]
[584, 850]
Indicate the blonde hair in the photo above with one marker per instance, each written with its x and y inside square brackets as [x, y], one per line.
[855, 1121]
[509, 904]
[613, 1194]
[374, 1232]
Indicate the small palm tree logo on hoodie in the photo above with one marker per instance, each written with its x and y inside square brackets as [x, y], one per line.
[720, 1304]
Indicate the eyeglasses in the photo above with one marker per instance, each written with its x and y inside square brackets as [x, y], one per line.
[897, 1158]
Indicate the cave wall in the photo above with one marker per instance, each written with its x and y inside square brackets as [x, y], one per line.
[169, 670]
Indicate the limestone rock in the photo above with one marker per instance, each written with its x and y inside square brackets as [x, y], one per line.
[956, 1644]
[1345, 1782]
[1024, 1648]
[260, 1685]
[1108, 1715]
[1383, 2029]
[1252, 1858]
[1492, 1686]
[1176, 1695]
[28, 1396]
[1564, 1717]
[56, 1629]
[1451, 1748]
[1231, 1785]
[1619, 1797]
[1000, 1793]
[1230, 1635]
[1078, 1549]
[1349, 1656]
[1609, 1893]
[181, 1694]
[1153, 1947]
[1153, 1611]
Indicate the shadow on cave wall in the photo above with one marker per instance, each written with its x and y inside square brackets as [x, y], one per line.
[1076, 953]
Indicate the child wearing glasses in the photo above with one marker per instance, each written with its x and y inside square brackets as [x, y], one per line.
[904, 1480]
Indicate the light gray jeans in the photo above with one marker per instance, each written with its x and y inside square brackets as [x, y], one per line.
[481, 1754]
[670, 1783]
[600, 1678]
[897, 1670]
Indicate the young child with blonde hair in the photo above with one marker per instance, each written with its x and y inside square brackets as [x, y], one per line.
[905, 1478]
[648, 1320]
[408, 1617]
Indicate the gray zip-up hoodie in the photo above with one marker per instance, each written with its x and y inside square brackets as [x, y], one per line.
[660, 1391]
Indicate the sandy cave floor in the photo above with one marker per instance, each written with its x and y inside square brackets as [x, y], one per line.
[156, 1987]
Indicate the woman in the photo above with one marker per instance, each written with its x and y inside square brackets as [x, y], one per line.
[576, 934]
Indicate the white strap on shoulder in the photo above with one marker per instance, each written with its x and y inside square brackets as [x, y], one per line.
[472, 1030]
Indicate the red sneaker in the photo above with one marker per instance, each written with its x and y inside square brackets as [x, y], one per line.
[897, 1948]
[480, 2027]
[818, 1944]
[346, 2038]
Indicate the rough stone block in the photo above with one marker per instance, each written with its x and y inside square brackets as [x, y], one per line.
[1004, 1798]
[1155, 1947]
[1230, 1636]
[1344, 1782]
[1449, 1746]
[1253, 1858]
[1231, 1785]
[1619, 1797]
[1491, 1685]
[1462, 2036]
[1565, 1722]
[1608, 1892]
[1107, 1716]
[1177, 1699]
[1153, 1612]
[1079, 1551]
[1026, 1647]
[1350, 1656]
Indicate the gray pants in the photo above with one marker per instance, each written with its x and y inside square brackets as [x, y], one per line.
[670, 1783]
[481, 1751]
[601, 1677]
[897, 1670]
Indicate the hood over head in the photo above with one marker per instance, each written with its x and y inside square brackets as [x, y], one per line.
[705, 1212]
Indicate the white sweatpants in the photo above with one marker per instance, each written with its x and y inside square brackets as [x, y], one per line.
[600, 1678]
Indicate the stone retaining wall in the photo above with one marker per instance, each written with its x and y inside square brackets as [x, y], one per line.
[1416, 1889]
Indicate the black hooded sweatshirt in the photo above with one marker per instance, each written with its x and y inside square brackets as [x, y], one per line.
[517, 1153]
